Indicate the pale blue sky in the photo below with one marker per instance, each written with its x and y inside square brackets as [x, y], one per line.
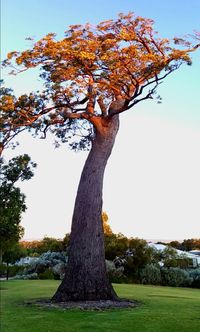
[153, 177]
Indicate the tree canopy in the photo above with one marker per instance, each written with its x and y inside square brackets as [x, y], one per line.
[93, 72]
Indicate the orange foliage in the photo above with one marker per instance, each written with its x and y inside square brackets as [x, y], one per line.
[106, 227]
[92, 67]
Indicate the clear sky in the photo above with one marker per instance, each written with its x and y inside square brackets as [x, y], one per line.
[152, 181]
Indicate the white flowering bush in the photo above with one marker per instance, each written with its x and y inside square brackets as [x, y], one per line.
[50, 265]
[31, 276]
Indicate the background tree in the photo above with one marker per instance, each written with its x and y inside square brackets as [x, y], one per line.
[186, 245]
[91, 76]
[12, 254]
[190, 244]
[32, 247]
[115, 245]
[175, 244]
[66, 241]
[38, 247]
[50, 244]
[12, 201]
[138, 256]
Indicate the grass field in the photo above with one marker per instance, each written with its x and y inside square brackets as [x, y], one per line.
[161, 309]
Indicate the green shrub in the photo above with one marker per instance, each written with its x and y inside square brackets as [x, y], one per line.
[13, 270]
[59, 271]
[47, 274]
[175, 277]
[195, 275]
[151, 275]
[115, 275]
[2, 270]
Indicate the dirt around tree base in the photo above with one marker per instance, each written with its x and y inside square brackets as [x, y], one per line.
[86, 305]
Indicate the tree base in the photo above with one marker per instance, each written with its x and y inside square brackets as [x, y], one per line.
[78, 291]
[89, 305]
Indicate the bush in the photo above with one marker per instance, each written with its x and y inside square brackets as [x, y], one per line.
[47, 274]
[13, 270]
[195, 275]
[59, 271]
[53, 257]
[175, 277]
[151, 275]
[31, 276]
[115, 274]
[47, 260]
[2, 270]
[50, 265]
[115, 245]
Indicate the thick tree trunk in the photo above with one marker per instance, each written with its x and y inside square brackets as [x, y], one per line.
[86, 277]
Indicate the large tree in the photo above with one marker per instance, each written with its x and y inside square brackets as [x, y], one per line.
[91, 77]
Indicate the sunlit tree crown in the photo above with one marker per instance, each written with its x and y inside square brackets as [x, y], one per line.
[91, 74]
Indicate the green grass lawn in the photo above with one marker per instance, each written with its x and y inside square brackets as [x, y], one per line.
[161, 309]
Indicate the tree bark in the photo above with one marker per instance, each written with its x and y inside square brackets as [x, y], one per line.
[86, 277]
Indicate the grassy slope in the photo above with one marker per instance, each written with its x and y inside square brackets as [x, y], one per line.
[163, 309]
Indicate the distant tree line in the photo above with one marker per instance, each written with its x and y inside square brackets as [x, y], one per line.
[185, 245]
[115, 244]
[129, 260]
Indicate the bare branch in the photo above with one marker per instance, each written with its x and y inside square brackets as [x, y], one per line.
[148, 96]
[5, 142]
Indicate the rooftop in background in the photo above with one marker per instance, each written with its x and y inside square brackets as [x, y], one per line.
[195, 252]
